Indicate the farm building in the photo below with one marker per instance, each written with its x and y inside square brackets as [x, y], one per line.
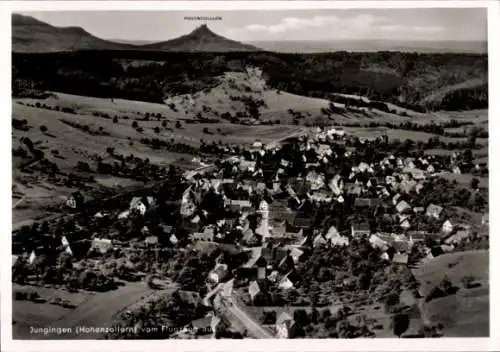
[286, 327]
[360, 230]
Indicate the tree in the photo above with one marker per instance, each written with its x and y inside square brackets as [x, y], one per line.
[474, 184]
[115, 119]
[391, 301]
[164, 124]
[400, 323]
[301, 317]
[178, 124]
[43, 128]
[135, 124]
[157, 129]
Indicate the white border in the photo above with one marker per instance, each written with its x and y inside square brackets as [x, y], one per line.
[445, 344]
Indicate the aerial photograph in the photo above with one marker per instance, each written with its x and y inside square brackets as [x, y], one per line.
[250, 174]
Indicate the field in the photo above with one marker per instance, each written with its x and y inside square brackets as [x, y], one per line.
[467, 311]
[464, 314]
[71, 138]
[92, 310]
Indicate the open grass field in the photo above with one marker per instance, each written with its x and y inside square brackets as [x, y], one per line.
[455, 266]
[93, 310]
[66, 145]
[465, 179]
[465, 313]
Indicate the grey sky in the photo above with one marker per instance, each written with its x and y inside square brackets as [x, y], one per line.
[390, 24]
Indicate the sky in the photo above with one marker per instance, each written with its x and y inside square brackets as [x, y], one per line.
[439, 24]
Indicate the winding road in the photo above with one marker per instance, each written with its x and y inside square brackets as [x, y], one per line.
[254, 329]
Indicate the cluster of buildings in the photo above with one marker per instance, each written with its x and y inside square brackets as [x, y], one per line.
[268, 199]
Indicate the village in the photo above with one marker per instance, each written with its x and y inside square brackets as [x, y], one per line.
[271, 226]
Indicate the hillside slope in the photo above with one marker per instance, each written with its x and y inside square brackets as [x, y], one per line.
[413, 81]
[200, 39]
[30, 35]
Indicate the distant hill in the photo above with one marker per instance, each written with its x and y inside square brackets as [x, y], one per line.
[311, 46]
[30, 35]
[201, 39]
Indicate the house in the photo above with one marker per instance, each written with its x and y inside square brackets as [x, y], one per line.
[32, 257]
[286, 327]
[336, 185]
[457, 237]
[138, 204]
[434, 211]
[201, 326]
[217, 324]
[316, 181]
[249, 237]
[239, 205]
[296, 254]
[378, 242]
[123, 215]
[400, 258]
[255, 291]
[335, 239]
[273, 277]
[190, 297]
[66, 245]
[407, 186]
[286, 264]
[395, 199]
[167, 229]
[431, 169]
[402, 244]
[405, 224]
[288, 281]
[418, 210]
[485, 219]
[360, 230]
[419, 187]
[101, 245]
[207, 235]
[353, 189]
[75, 201]
[151, 240]
[218, 274]
[173, 239]
[366, 202]
[416, 236]
[302, 222]
[227, 288]
[319, 241]
[256, 265]
[447, 227]
[246, 165]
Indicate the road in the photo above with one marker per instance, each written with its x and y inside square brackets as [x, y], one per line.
[253, 328]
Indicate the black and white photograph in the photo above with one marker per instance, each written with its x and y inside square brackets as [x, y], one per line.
[279, 173]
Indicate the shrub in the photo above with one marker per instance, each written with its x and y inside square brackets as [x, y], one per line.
[20, 296]
[115, 119]
[43, 128]
[164, 124]
[157, 129]
[178, 124]
[400, 323]
[135, 124]
[83, 166]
